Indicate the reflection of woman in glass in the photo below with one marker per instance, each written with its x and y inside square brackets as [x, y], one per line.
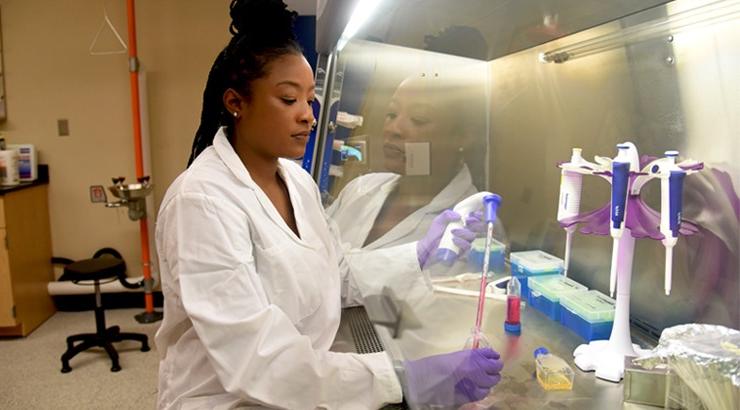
[433, 135]
[434, 152]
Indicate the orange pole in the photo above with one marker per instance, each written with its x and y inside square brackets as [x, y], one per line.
[136, 118]
[134, 79]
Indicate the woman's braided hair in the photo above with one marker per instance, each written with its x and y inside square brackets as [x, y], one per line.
[262, 30]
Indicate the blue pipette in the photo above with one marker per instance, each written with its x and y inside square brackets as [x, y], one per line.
[620, 181]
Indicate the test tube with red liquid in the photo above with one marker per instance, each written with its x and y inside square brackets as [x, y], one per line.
[513, 325]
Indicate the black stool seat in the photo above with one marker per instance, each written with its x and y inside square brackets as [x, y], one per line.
[96, 269]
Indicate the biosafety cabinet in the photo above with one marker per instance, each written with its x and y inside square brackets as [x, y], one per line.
[454, 96]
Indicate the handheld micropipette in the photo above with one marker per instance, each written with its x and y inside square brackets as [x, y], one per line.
[620, 181]
[491, 203]
[671, 191]
[447, 251]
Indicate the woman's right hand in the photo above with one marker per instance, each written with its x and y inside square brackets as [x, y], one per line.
[453, 379]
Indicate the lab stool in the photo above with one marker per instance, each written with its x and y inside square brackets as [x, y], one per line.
[106, 264]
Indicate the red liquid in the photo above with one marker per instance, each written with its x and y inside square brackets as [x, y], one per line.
[512, 309]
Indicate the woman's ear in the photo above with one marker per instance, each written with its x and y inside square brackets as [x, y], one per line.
[233, 102]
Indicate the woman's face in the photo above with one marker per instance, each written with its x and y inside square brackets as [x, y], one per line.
[415, 115]
[276, 119]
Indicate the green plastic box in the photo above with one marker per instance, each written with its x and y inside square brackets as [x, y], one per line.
[588, 314]
[545, 293]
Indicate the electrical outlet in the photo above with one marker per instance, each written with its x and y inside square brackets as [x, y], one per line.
[63, 127]
[97, 194]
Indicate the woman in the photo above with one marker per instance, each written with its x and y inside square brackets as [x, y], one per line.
[251, 273]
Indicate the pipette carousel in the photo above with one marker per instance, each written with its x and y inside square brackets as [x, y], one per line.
[626, 218]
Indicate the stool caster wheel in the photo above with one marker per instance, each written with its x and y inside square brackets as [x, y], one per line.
[66, 369]
[115, 368]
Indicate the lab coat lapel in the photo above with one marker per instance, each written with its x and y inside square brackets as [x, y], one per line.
[227, 154]
[373, 190]
[299, 210]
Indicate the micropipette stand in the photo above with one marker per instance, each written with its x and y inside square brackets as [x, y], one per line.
[606, 357]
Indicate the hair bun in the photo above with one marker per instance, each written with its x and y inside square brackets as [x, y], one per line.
[263, 19]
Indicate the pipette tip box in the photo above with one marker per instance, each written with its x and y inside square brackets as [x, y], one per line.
[589, 314]
[477, 252]
[545, 293]
[533, 263]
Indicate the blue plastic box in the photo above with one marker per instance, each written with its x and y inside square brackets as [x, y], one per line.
[545, 293]
[588, 314]
[533, 263]
[496, 259]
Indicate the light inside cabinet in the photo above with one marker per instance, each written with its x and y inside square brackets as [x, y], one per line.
[360, 15]
[708, 14]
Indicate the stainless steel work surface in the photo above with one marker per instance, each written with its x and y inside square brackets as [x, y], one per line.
[433, 323]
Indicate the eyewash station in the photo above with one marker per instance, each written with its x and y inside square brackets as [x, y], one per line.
[589, 148]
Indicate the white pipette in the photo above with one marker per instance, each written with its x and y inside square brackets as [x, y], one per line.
[447, 251]
[569, 202]
[671, 192]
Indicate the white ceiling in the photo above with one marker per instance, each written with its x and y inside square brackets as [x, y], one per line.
[303, 7]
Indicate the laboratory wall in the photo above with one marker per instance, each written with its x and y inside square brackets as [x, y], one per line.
[50, 75]
[662, 93]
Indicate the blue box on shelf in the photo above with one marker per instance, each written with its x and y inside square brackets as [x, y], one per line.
[496, 259]
[545, 293]
[533, 263]
[588, 314]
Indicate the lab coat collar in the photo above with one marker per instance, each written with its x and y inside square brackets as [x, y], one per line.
[226, 152]
[460, 187]
[455, 191]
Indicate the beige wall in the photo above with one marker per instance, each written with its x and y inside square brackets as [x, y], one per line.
[50, 75]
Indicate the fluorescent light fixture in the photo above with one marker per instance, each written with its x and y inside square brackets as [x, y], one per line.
[363, 10]
[711, 13]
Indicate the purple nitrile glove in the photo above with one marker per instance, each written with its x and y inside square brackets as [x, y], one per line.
[475, 222]
[429, 243]
[462, 237]
[453, 379]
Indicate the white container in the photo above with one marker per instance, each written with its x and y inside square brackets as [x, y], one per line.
[9, 168]
[27, 164]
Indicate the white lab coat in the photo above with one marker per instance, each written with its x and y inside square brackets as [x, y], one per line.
[359, 203]
[251, 309]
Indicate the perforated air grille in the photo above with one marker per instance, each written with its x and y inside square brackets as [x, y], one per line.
[366, 340]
